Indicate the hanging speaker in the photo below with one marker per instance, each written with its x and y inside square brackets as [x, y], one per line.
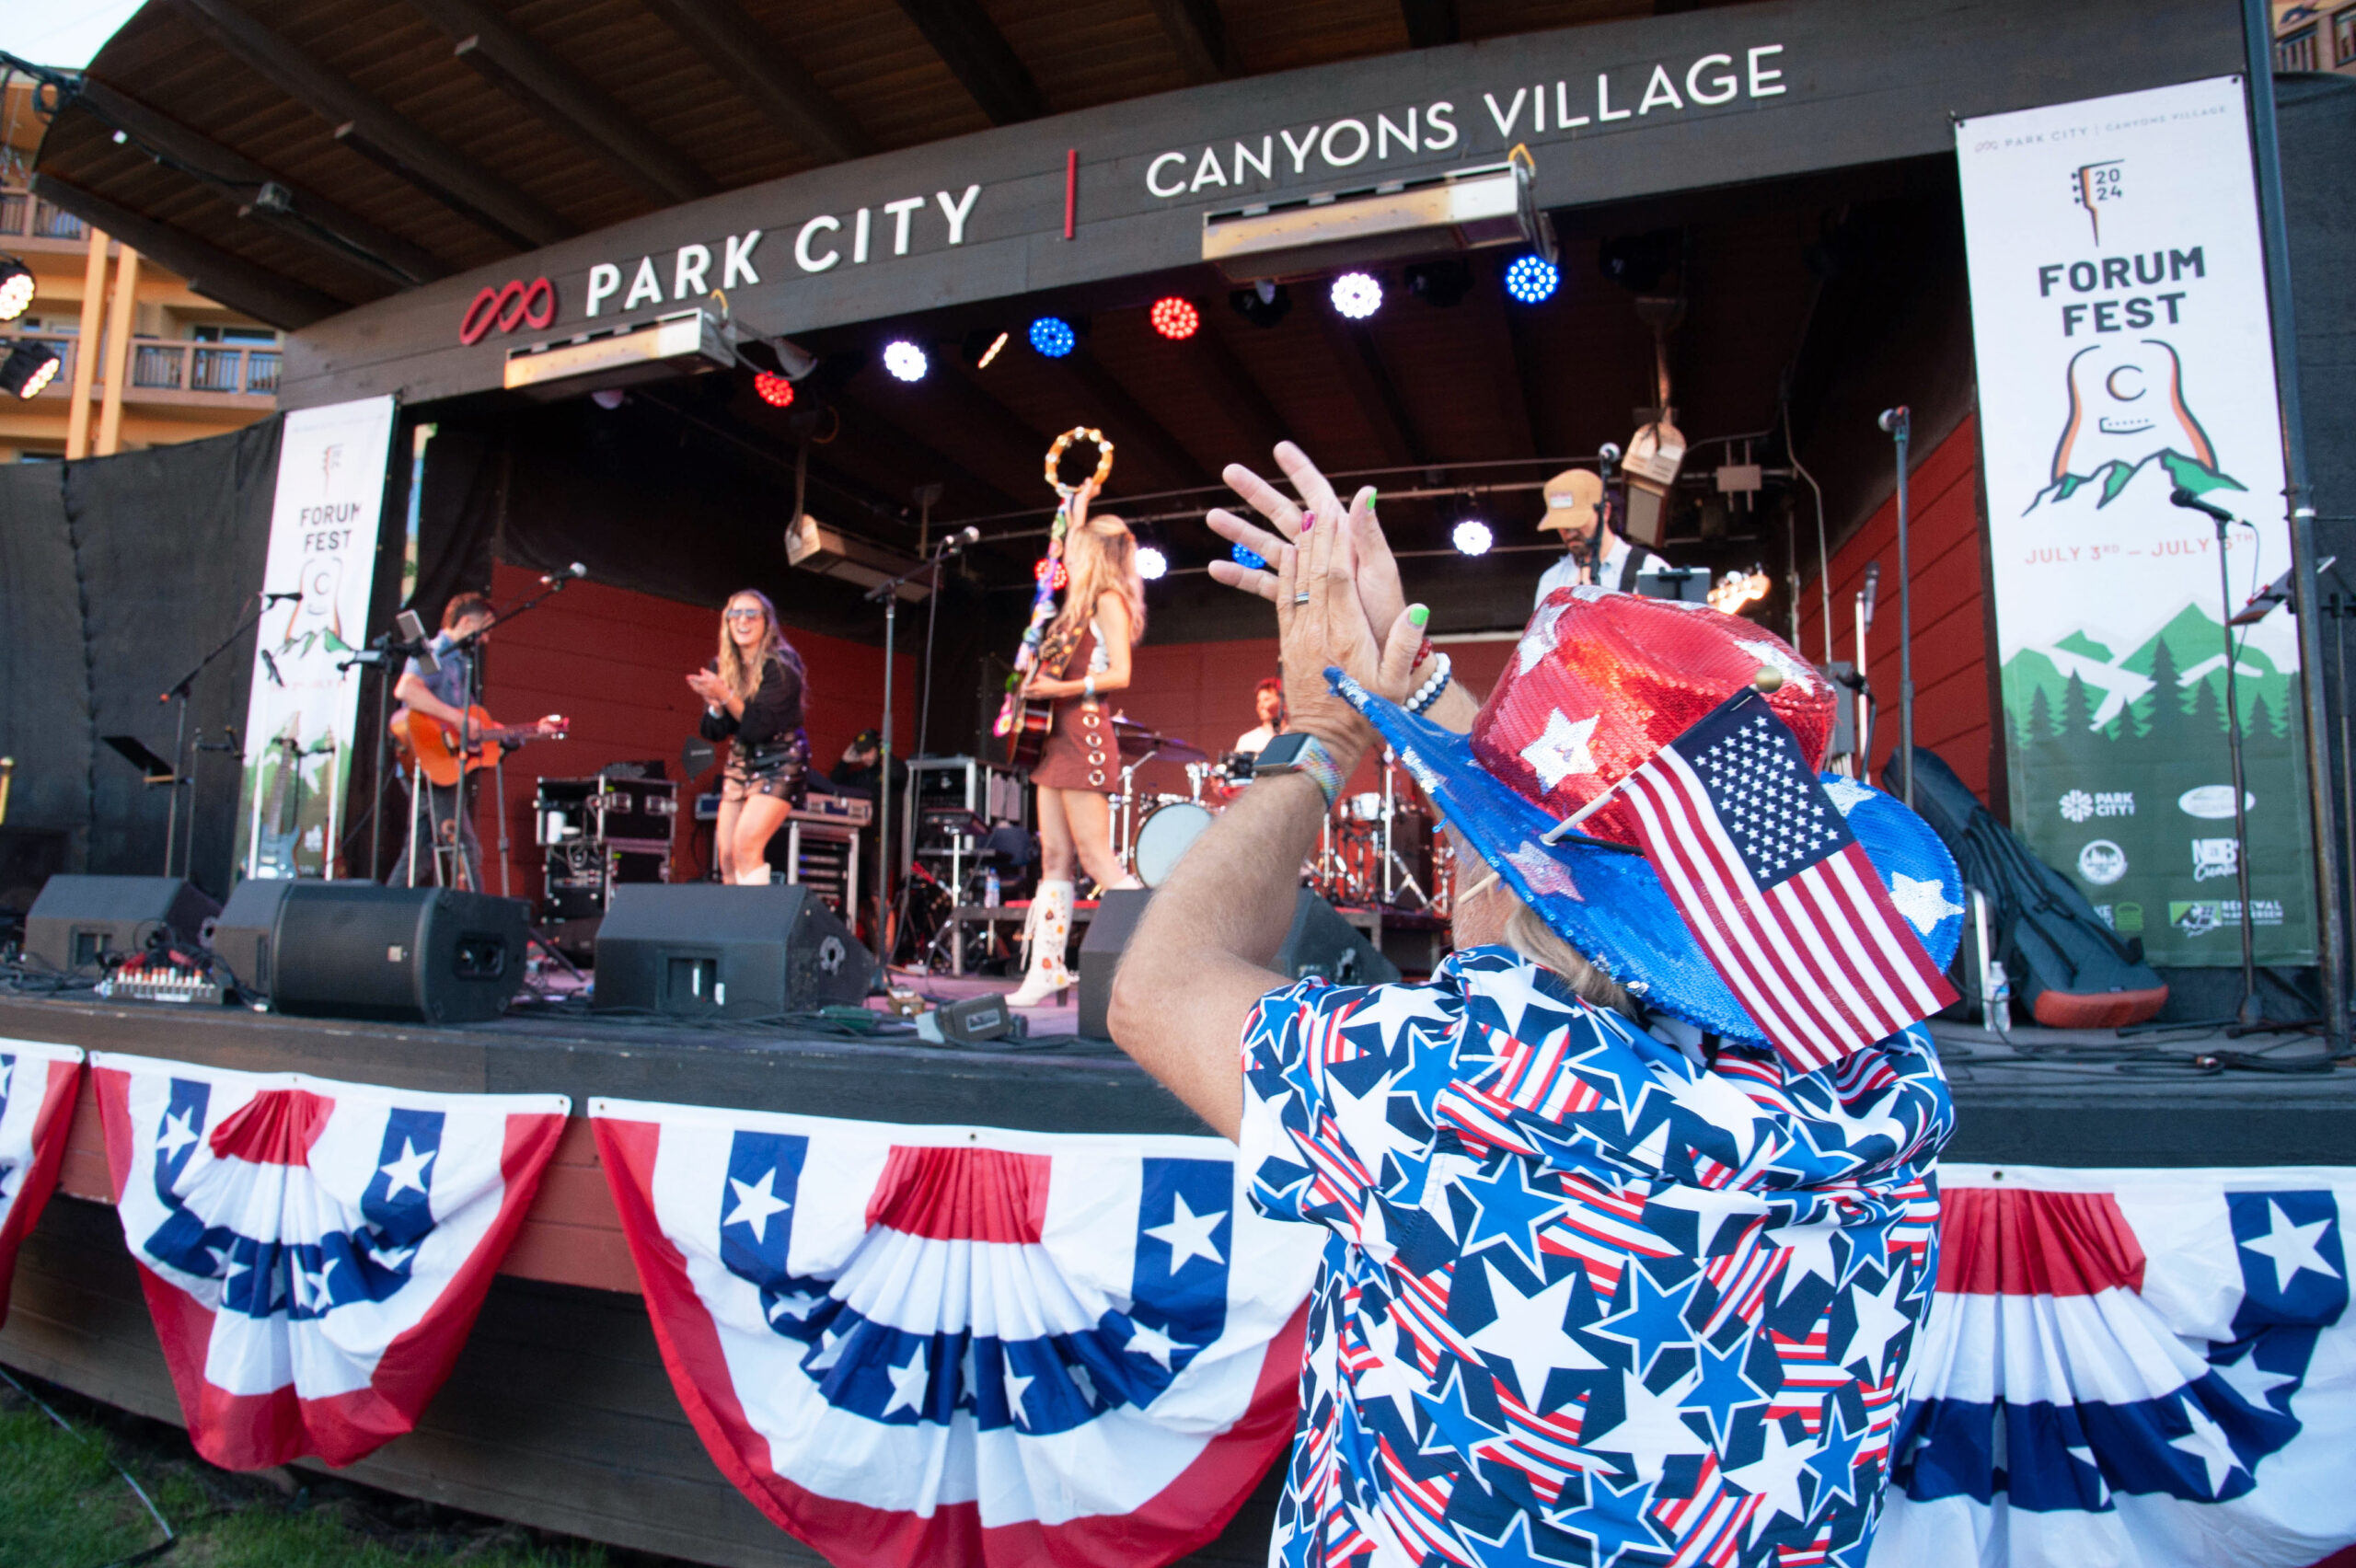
[703, 950]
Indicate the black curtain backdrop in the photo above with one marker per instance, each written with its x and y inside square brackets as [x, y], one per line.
[117, 574]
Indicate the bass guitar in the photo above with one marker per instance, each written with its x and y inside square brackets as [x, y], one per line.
[435, 748]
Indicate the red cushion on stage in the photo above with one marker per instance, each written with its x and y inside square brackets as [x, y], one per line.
[2104, 1009]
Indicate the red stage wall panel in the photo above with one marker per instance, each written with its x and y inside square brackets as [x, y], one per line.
[1950, 593]
[616, 662]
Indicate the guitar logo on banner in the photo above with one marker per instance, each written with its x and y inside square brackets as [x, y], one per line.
[517, 304]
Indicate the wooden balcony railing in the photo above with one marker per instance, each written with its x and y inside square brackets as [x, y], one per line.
[204, 367]
[27, 217]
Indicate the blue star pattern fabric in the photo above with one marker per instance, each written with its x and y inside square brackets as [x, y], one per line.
[1586, 1299]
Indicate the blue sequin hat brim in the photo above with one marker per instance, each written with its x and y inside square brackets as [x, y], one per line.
[1612, 906]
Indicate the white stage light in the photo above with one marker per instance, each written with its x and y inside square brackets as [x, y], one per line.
[906, 361]
[1152, 565]
[1473, 537]
[1358, 295]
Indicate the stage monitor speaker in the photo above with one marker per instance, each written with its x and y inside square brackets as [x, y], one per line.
[703, 950]
[76, 921]
[248, 929]
[408, 955]
[1321, 942]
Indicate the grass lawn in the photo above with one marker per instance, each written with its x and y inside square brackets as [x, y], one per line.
[63, 1504]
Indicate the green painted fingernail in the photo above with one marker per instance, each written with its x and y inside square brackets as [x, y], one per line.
[1372, 495]
[1420, 615]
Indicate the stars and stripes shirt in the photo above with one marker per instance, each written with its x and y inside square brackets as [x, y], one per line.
[1586, 1299]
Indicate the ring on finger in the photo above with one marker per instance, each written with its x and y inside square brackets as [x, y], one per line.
[1300, 598]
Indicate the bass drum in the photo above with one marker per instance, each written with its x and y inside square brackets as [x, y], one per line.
[1167, 832]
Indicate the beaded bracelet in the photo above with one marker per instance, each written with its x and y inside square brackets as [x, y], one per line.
[1428, 693]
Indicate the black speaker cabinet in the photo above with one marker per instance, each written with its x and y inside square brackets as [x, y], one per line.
[355, 950]
[1321, 942]
[246, 933]
[704, 950]
[77, 920]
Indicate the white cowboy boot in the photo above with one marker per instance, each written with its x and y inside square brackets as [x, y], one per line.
[1047, 928]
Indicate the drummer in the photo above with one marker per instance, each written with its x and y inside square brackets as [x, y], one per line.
[1269, 702]
[1579, 509]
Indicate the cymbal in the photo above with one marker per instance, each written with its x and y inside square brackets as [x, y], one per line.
[1138, 743]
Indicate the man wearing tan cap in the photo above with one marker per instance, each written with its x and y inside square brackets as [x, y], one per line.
[1575, 506]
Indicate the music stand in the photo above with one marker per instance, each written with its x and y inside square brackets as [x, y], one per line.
[152, 769]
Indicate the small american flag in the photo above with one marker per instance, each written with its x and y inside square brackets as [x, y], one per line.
[1777, 889]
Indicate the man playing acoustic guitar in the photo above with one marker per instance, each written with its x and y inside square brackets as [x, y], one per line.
[443, 695]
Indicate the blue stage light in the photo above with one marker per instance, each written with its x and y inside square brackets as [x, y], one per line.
[1053, 336]
[1246, 559]
[1532, 280]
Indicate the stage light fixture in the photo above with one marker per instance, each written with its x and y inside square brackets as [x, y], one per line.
[15, 287]
[1262, 304]
[1053, 336]
[1532, 280]
[1444, 282]
[28, 368]
[774, 389]
[1175, 318]
[1043, 566]
[904, 360]
[1152, 565]
[1358, 295]
[1473, 537]
[980, 346]
[1247, 559]
[991, 353]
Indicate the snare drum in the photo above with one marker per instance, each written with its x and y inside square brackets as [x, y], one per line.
[1167, 832]
[1367, 807]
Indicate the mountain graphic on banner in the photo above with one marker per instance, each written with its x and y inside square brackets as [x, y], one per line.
[2186, 653]
[2110, 481]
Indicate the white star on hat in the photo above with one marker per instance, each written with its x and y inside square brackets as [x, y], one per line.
[1561, 750]
[1539, 639]
[1921, 900]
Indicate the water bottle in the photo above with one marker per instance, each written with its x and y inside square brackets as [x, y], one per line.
[989, 888]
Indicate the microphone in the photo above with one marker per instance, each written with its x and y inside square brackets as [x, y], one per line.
[2191, 502]
[1894, 421]
[559, 579]
[1865, 595]
[271, 666]
[962, 540]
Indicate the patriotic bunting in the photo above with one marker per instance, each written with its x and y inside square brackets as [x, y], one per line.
[313, 1252]
[960, 1347]
[37, 1084]
[2152, 1368]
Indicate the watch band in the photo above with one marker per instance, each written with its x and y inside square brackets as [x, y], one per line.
[1313, 759]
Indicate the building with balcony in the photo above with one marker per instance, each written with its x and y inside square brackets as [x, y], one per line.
[2316, 35]
[146, 360]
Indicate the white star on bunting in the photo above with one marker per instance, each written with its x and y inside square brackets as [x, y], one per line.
[403, 1175]
[177, 1135]
[755, 1202]
[1561, 750]
[1188, 1234]
[2291, 1248]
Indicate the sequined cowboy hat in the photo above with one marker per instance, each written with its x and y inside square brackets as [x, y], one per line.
[1600, 682]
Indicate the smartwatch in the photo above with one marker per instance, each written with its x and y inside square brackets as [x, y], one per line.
[1297, 751]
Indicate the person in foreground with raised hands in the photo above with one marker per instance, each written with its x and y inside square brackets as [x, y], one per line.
[1612, 1268]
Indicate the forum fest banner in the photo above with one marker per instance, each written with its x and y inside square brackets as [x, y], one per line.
[305, 699]
[2119, 307]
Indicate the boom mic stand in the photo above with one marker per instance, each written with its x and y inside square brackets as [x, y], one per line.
[551, 584]
[183, 768]
[1901, 426]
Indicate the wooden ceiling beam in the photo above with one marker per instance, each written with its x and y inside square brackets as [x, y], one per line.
[1372, 390]
[1125, 419]
[1492, 317]
[1235, 386]
[367, 125]
[567, 102]
[916, 461]
[1199, 35]
[310, 218]
[1430, 23]
[977, 54]
[744, 54]
[236, 282]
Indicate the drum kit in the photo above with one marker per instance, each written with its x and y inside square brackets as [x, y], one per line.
[1376, 846]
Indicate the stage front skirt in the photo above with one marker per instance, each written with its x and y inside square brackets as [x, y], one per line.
[313, 1252]
[2145, 1367]
[956, 1346]
[37, 1084]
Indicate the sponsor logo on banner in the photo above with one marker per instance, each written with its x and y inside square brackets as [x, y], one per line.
[2213, 801]
[2121, 349]
[2215, 858]
[2102, 862]
[2198, 916]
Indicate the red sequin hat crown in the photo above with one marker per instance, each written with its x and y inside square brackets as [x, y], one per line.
[1600, 681]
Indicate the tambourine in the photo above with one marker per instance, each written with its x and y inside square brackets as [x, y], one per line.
[1063, 442]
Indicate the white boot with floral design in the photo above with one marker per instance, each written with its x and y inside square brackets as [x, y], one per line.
[1047, 929]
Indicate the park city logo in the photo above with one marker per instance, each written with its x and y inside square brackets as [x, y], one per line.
[2078, 805]
[516, 303]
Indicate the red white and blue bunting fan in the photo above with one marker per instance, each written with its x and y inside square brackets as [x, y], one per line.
[37, 1084]
[957, 1347]
[2146, 1367]
[313, 1252]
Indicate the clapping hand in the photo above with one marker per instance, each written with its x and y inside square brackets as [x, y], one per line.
[708, 686]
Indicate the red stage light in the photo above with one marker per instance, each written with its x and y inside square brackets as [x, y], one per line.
[1039, 569]
[1174, 319]
[775, 390]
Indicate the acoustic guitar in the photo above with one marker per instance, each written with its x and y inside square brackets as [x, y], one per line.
[429, 745]
[1032, 721]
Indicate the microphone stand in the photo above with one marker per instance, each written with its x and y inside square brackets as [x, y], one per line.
[887, 594]
[550, 586]
[1900, 424]
[183, 768]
